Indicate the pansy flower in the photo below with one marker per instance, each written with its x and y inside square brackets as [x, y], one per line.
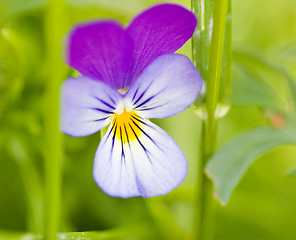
[128, 75]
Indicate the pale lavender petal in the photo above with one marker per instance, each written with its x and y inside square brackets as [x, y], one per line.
[87, 106]
[159, 30]
[166, 87]
[147, 165]
[101, 50]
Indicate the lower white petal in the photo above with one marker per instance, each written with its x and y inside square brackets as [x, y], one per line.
[138, 159]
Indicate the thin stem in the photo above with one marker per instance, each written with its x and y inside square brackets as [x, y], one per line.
[204, 219]
[33, 189]
[31, 180]
[53, 137]
[201, 43]
[212, 96]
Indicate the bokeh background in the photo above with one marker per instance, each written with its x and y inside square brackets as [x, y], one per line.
[263, 206]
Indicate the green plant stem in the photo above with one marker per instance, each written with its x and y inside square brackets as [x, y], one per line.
[216, 52]
[204, 221]
[53, 137]
[33, 189]
[20, 148]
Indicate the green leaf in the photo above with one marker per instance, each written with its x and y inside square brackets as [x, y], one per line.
[248, 91]
[20, 148]
[262, 81]
[201, 40]
[201, 44]
[229, 164]
[292, 172]
[11, 8]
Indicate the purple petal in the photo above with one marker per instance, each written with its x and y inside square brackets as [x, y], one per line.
[159, 30]
[87, 106]
[101, 50]
[166, 87]
[147, 165]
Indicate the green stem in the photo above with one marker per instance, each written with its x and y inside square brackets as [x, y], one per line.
[204, 219]
[33, 189]
[31, 180]
[53, 137]
[216, 52]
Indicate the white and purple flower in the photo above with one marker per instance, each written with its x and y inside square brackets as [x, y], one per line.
[128, 75]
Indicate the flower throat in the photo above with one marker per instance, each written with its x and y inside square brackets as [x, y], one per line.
[126, 126]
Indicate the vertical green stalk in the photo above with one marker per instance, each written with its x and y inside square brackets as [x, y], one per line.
[217, 43]
[201, 44]
[33, 188]
[53, 137]
[211, 101]
[20, 149]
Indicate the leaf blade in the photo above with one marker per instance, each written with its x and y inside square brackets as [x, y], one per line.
[229, 164]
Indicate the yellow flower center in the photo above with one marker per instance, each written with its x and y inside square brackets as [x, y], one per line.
[122, 91]
[126, 126]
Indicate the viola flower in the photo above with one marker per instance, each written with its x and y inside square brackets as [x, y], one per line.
[128, 75]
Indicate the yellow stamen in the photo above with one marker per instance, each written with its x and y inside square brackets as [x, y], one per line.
[127, 126]
[122, 91]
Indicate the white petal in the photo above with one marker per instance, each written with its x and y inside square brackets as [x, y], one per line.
[147, 165]
[166, 87]
[87, 105]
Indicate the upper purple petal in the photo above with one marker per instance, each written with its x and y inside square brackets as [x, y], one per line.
[101, 50]
[159, 30]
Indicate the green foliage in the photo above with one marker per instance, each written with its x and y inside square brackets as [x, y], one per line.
[201, 41]
[229, 164]
[292, 172]
[253, 72]
[265, 81]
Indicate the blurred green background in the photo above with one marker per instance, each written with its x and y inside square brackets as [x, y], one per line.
[263, 206]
